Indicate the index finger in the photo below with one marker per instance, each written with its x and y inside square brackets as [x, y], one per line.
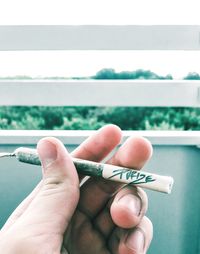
[99, 145]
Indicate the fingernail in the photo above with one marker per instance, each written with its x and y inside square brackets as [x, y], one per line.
[135, 241]
[132, 202]
[47, 152]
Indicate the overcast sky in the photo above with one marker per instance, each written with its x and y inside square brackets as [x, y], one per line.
[79, 12]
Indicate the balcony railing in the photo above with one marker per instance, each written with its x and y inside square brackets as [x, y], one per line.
[104, 93]
[175, 217]
[100, 37]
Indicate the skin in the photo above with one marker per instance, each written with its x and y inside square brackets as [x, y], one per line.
[70, 213]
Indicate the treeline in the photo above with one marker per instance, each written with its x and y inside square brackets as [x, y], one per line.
[87, 118]
[138, 74]
[109, 73]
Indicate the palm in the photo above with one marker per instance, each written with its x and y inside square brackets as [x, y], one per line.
[84, 236]
[93, 228]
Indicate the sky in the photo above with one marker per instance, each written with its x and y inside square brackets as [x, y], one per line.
[103, 12]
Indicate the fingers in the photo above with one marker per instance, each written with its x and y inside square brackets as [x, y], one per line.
[100, 144]
[128, 207]
[56, 161]
[133, 153]
[57, 199]
[126, 211]
[137, 240]
[132, 241]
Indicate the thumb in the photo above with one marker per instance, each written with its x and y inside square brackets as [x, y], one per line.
[58, 197]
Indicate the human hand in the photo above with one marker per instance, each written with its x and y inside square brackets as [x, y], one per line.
[107, 219]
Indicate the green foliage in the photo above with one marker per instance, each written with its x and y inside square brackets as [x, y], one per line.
[90, 118]
[78, 123]
[192, 76]
[138, 74]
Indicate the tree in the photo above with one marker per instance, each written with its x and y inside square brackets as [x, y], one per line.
[192, 76]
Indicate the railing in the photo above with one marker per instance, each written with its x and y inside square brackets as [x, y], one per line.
[104, 93]
[175, 217]
[100, 37]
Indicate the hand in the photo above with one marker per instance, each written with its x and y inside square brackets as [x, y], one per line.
[101, 218]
